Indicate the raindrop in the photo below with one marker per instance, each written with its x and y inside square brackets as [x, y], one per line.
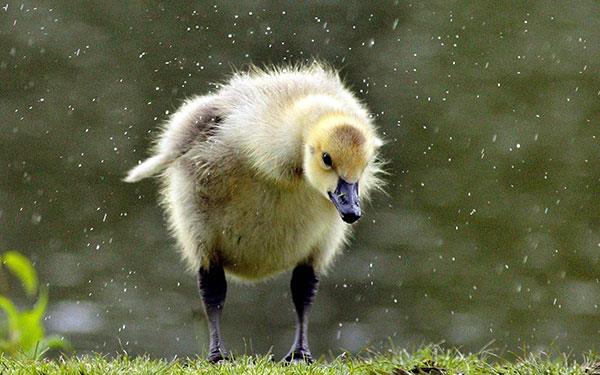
[36, 218]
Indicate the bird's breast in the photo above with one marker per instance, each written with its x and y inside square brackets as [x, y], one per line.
[265, 230]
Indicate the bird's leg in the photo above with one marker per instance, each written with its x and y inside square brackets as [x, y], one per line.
[213, 288]
[304, 289]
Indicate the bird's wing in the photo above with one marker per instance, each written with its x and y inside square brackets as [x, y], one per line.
[193, 122]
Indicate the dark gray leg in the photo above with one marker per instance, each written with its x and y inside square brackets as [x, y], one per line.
[304, 288]
[213, 288]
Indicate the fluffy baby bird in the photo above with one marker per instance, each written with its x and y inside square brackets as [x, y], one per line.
[262, 176]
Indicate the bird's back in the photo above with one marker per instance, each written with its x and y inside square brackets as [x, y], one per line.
[266, 116]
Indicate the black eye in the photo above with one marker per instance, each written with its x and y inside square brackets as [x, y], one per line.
[327, 160]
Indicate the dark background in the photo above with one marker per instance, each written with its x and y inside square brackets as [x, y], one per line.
[490, 231]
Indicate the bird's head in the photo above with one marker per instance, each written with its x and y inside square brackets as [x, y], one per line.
[338, 150]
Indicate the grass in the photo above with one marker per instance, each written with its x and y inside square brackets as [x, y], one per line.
[429, 360]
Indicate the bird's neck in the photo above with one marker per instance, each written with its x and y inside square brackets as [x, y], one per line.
[288, 136]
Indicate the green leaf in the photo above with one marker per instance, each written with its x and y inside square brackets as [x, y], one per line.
[57, 343]
[25, 336]
[32, 331]
[12, 314]
[30, 322]
[22, 268]
[40, 306]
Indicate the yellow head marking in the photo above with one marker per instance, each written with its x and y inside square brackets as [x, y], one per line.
[349, 145]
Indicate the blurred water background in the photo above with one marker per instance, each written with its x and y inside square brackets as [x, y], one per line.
[490, 232]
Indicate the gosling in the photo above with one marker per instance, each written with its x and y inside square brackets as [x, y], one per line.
[263, 176]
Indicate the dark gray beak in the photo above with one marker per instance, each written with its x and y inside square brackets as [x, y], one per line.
[345, 199]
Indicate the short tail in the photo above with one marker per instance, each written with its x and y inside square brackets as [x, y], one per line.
[149, 167]
[189, 124]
